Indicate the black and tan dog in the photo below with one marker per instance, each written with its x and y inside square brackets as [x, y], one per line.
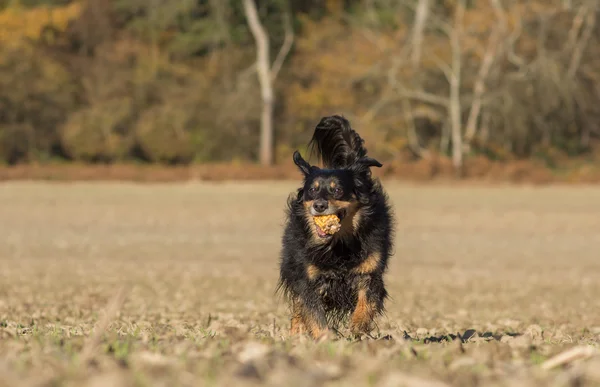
[328, 278]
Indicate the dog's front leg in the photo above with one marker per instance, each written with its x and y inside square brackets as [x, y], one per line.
[298, 327]
[315, 319]
[308, 314]
[370, 294]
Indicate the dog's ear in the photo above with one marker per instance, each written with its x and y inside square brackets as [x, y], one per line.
[361, 168]
[362, 177]
[302, 164]
[370, 162]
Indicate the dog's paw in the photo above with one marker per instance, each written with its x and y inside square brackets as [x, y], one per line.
[359, 336]
[327, 335]
[324, 335]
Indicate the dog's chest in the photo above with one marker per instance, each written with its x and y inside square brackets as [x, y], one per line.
[336, 288]
[338, 258]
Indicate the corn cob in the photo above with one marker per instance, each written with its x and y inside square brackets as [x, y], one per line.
[329, 224]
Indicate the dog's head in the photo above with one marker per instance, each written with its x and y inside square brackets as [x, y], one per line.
[340, 192]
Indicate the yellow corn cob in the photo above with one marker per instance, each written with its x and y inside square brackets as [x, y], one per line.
[329, 224]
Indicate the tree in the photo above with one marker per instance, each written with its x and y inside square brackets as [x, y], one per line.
[267, 73]
[418, 31]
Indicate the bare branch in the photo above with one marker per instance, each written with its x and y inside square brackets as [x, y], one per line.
[424, 96]
[500, 13]
[485, 126]
[443, 66]
[576, 28]
[582, 44]
[376, 107]
[391, 93]
[479, 87]
[372, 38]
[514, 36]
[569, 356]
[411, 131]
[445, 138]
[242, 75]
[435, 20]
[397, 62]
[544, 19]
[365, 31]
[288, 41]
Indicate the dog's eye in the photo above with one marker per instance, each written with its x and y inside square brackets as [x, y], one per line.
[311, 191]
[338, 192]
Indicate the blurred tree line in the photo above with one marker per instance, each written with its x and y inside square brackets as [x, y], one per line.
[175, 81]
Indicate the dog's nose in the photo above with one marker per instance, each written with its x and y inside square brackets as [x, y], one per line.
[320, 205]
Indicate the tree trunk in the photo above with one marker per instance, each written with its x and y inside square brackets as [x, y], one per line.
[455, 122]
[418, 31]
[455, 81]
[266, 130]
[266, 85]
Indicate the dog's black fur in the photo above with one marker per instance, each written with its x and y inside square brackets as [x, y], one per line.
[328, 278]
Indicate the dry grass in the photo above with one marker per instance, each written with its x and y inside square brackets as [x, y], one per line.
[172, 285]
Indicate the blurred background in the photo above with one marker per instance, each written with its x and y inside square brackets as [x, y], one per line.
[439, 86]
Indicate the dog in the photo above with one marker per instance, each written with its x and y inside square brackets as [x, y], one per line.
[328, 279]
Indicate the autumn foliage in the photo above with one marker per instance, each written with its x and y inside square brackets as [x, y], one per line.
[103, 81]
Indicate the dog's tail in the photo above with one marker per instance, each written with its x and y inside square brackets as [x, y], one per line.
[338, 145]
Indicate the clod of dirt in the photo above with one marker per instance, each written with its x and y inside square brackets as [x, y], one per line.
[327, 370]
[115, 378]
[535, 332]
[592, 371]
[249, 371]
[151, 360]
[461, 362]
[521, 341]
[252, 351]
[395, 379]
[469, 333]
[293, 377]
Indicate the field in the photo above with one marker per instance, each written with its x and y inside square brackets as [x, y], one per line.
[108, 284]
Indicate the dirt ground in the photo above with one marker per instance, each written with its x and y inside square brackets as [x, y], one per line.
[173, 285]
[438, 169]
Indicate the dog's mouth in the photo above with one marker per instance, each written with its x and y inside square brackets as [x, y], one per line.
[324, 234]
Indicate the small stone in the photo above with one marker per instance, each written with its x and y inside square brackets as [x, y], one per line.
[523, 341]
[422, 332]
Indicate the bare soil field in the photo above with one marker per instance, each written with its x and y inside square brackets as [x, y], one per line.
[118, 284]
